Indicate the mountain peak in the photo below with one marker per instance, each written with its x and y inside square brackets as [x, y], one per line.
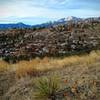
[70, 18]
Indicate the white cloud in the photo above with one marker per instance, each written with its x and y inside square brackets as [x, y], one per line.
[25, 10]
[44, 9]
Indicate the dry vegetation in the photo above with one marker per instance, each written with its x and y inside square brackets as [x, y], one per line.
[23, 68]
[50, 88]
[78, 78]
[4, 65]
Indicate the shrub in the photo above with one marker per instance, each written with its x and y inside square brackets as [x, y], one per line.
[46, 88]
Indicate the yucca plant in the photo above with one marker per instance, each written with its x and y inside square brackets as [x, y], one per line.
[46, 88]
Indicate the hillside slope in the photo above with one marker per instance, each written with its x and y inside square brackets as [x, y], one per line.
[59, 40]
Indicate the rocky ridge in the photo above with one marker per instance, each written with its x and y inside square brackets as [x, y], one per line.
[58, 40]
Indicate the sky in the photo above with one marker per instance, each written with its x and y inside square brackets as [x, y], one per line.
[40, 11]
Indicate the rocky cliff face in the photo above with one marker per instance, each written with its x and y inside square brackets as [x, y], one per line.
[63, 39]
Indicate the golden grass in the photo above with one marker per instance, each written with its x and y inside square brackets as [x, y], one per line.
[23, 68]
[3, 65]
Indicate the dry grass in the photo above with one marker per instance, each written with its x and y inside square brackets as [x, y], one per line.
[85, 60]
[51, 88]
[78, 76]
[3, 65]
[23, 68]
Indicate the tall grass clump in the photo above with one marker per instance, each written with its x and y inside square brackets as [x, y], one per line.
[4, 65]
[25, 68]
[46, 88]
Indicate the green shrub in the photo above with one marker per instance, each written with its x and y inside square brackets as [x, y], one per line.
[46, 88]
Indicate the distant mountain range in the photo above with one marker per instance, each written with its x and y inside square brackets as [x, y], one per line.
[48, 24]
[17, 25]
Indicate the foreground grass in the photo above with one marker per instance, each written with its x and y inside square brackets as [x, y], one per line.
[78, 78]
[50, 88]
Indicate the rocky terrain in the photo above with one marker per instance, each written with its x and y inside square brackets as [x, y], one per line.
[68, 37]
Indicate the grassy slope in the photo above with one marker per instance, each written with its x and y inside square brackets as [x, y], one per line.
[72, 69]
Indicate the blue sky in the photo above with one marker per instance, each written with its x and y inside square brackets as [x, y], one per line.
[40, 11]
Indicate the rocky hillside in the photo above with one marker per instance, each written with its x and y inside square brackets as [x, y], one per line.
[66, 38]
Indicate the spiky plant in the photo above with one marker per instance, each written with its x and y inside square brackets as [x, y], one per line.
[47, 87]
